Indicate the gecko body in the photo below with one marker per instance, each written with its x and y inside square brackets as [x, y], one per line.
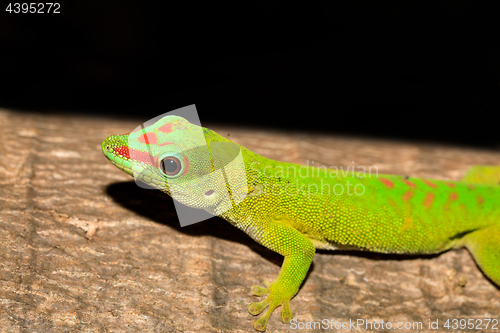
[293, 209]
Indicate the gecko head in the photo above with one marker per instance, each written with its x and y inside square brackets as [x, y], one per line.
[194, 165]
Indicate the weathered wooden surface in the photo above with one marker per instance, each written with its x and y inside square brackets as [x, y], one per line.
[85, 249]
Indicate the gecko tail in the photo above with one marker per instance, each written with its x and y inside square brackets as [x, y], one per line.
[483, 174]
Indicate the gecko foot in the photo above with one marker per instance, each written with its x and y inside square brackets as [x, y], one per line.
[277, 296]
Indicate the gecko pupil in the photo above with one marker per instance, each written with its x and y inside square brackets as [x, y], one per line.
[171, 165]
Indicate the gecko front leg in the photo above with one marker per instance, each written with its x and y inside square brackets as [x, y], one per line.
[298, 251]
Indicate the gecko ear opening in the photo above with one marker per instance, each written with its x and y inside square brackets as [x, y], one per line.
[175, 157]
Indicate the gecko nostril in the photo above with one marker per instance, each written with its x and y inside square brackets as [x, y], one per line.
[209, 193]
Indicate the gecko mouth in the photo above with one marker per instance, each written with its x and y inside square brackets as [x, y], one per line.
[209, 193]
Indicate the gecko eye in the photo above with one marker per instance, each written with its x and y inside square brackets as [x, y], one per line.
[172, 165]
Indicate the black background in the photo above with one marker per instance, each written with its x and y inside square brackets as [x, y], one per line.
[423, 69]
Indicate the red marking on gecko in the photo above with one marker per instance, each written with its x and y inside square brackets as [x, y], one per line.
[142, 156]
[165, 144]
[429, 198]
[409, 183]
[430, 184]
[408, 224]
[407, 195]
[167, 128]
[453, 196]
[148, 138]
[471, 186]
[450, 184]
[387, 182]
[122, 151]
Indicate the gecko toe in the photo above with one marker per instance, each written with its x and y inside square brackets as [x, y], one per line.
[259, 291]
[260, 324]
[286, 312]
[257, 307]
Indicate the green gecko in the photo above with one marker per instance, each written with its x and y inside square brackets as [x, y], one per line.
[383, 213]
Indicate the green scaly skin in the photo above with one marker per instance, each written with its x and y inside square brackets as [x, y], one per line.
[382, 213]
